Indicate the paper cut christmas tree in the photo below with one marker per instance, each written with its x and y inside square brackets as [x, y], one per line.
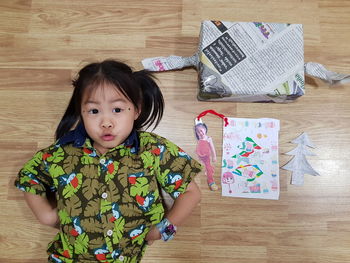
[299, 164]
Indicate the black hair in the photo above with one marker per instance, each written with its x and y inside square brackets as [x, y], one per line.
[139, 87]
[200, 124]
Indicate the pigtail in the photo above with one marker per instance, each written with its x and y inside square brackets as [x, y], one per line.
[152, 107]
[72, 113]
[68, 121]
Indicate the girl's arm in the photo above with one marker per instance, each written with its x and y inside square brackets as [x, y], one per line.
[184, 204]
[182, 208]
[43, 209]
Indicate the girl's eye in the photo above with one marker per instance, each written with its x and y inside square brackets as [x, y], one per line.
[117, 110]
[93, 111]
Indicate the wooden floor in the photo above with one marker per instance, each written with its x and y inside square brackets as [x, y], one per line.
[44, 42]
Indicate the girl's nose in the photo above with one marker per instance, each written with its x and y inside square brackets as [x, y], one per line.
[107, 124]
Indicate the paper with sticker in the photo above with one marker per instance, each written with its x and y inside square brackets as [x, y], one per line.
[250, 166]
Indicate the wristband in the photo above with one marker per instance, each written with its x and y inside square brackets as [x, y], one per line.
[167, 230]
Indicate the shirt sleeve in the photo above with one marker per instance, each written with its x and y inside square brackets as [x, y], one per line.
[176, 169]
[34, 177]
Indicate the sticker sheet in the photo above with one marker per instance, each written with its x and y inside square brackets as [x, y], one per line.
[250, 167]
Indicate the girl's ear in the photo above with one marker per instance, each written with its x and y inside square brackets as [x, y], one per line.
[137, 112]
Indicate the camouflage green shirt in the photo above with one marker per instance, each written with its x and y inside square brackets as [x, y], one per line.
[107, 204]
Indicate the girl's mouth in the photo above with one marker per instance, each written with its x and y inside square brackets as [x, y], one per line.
[108, 137]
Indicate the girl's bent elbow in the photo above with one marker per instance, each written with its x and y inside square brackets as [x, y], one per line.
[198, 197]
[195, 192]
[48, 219]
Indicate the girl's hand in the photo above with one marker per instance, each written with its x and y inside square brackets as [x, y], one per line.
[152, 235]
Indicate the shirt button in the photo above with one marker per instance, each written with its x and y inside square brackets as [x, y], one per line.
[110, 232]
[121, 258]
[104, 195]
[102, 161]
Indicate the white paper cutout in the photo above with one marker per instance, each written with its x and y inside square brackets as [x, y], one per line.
[299, 164]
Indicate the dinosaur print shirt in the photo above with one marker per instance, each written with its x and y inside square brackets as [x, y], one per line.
[107, 204]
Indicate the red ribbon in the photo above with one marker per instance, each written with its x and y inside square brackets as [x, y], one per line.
[214, 113]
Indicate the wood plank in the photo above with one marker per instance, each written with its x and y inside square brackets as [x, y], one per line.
[43, 44]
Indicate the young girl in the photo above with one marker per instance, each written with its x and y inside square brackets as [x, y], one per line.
[106, 174]
[206, 153]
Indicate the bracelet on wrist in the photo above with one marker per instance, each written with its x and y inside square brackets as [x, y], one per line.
[167, 230]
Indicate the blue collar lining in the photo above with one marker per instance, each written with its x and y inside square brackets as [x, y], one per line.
[79, 135]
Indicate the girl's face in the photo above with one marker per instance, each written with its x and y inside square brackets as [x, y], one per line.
[230, 180]
[108, 117]
[201, 132]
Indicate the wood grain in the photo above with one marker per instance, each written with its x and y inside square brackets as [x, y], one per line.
[43, 43]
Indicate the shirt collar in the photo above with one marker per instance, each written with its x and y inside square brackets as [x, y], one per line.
[133, 141]
[76, 136]
[79, 135]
